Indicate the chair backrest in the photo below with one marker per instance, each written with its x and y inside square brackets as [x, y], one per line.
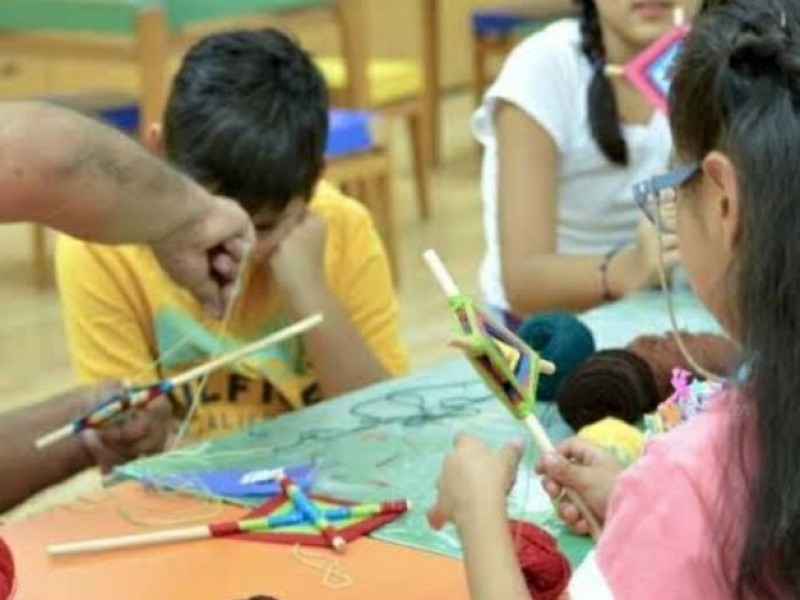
[353, 27]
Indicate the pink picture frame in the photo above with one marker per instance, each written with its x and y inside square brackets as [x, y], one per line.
[648, 71]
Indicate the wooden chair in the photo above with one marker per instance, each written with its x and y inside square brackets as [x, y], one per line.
[395, 88]
[367, 176]
[495, 32]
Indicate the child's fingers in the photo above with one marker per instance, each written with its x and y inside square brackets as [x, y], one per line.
[437, 516]
[572, 518]
[552, 488]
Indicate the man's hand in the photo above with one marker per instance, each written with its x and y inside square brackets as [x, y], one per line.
[205, 254]
[586, 468]
[135, 433]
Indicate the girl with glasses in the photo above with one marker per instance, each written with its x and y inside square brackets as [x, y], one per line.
[712, 510]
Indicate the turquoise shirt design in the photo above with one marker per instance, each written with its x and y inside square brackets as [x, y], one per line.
[263, 384]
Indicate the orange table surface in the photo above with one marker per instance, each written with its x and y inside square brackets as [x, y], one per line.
[214, 569]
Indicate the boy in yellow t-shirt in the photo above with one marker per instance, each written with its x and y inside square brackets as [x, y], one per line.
[247, 117]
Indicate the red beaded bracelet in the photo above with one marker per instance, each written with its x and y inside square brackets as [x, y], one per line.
[605, 291]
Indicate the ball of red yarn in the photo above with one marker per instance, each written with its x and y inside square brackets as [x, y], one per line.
[545, 568]
[6, 571]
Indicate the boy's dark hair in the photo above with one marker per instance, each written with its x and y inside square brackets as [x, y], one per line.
[603, 110]
[248, 117]
[737, 90]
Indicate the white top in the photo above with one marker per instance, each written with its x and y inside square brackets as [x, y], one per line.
[547, 76]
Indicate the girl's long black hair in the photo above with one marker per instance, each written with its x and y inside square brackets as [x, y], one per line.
[737, 89]
[603, 110]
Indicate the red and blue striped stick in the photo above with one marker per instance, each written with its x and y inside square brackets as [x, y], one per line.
[136, 397]
[306, 507]
[227, 528]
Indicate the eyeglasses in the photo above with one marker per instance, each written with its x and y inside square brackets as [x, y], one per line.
[652, 195]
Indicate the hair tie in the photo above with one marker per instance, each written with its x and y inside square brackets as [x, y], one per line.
[599, 65]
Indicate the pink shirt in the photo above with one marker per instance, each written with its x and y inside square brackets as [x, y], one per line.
[661, 539]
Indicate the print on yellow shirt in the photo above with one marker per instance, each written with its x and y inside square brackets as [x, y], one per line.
[126, 319]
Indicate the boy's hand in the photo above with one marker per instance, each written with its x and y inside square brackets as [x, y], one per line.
[474, 477]
[586, 468]
[298, 263]
[135, 433]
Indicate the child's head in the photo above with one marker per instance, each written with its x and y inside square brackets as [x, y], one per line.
[735, 112]
[247, 117]
[614, 31]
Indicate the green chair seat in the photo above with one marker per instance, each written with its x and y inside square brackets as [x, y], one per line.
[118, 17]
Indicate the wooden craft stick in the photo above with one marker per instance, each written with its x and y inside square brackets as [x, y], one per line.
[270, 340]
[305, 506]
[540, 437]
[543, 443]
[293, 330]
[225, 528]
[439, 271]
[450, 290]
[679, 16]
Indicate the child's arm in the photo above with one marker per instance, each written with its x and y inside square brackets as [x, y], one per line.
[24, 470]
[341, 357]
[493, 570]
[472, 494]
[534, 276]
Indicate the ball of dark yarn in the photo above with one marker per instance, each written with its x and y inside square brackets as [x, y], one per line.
[561, 338]
[713, 352]
[612, 383]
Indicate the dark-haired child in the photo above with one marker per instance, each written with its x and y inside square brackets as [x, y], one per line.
[247, 118]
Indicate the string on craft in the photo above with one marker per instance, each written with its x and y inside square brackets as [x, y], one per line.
[528, 475]
[667, 289]
[174, 503]
[87, 503]
[194, 404]
[333, 577]
[561, 338]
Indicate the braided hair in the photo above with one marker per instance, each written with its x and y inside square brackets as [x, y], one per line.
[603, 110]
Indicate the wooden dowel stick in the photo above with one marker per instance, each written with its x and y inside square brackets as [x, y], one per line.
[199, 532]
[277, 337]
[543, 443]
[546, 367]
[270, 340]
[440, 272]
[53, 437]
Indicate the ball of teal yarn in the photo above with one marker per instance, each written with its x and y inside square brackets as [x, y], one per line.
[561, 338]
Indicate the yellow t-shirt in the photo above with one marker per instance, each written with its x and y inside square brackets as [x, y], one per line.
[126, 319]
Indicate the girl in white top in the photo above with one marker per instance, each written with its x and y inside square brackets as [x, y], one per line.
[563, 146]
